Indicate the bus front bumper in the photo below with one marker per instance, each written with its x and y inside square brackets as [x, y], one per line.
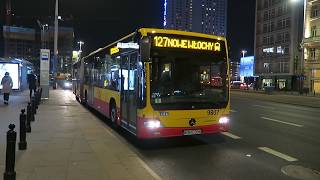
[145, 133]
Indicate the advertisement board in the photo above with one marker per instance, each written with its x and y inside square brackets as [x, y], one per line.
[246, 66]
[13, 70]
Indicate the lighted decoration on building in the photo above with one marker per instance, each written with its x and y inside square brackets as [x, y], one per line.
[167, 42]
[165, 14]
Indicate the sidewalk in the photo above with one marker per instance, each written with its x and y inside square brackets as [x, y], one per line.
[294, 99]
[69, 143]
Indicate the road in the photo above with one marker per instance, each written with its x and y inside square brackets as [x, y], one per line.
[265, 137]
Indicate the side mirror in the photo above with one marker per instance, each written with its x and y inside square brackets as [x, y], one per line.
[145, 47]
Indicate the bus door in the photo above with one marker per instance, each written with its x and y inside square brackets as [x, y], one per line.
[90, 93]
[128, 89]
[132, 92]
[124, 87]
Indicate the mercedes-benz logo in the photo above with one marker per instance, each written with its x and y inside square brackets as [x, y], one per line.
[192, 122]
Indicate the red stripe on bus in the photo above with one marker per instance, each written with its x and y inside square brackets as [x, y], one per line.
[146, 133]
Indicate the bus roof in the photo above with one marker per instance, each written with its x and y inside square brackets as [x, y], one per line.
[146, 31]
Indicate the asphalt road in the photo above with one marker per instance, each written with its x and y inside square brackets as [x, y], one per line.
[265, 138]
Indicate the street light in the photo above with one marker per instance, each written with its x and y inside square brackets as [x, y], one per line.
[243, 52]
[80, 44]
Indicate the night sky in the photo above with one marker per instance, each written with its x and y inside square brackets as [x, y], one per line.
[99, 22]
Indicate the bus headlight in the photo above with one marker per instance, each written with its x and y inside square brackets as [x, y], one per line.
[152, 124]
[224, 120]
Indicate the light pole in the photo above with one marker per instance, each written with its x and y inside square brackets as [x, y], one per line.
[44, 27]
[80, 48]
[55, 53]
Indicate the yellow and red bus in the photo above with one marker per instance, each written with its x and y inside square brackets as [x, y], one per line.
[158, 83]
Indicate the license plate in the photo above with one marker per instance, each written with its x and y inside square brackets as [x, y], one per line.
[192, 132]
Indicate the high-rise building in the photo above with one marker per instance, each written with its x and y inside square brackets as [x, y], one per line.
[278, 35]
[311, 45]
[204, 16]
[234, 70]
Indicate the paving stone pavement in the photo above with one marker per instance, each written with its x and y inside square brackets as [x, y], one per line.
[69, 143]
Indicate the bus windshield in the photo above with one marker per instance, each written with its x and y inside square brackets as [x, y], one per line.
[188, 80]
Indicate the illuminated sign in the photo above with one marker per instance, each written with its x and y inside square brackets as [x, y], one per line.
[114, 50]
[129, 45]
[167, 42]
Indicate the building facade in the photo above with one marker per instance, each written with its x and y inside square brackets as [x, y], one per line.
[65, 46]
[235, 70]
[204, 16]
[278, 35]
[19, 42]
[311, 45]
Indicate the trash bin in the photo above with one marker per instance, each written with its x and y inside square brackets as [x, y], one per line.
[268, 89]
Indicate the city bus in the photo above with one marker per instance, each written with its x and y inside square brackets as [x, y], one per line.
[158, 83]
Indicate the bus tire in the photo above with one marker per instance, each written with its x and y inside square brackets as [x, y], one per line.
[113, 114]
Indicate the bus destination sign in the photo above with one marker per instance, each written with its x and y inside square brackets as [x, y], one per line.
[169, 42]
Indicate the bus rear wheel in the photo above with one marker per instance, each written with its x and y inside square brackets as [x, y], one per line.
[113, 115]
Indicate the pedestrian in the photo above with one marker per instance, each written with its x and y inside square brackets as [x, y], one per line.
[32, 83]
[7, 84]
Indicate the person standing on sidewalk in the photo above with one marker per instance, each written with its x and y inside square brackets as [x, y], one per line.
[7, 84]
[32, 83]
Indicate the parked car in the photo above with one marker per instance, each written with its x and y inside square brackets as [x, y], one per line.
[244, 86]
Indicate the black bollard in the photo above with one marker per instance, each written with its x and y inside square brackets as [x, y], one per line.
[40, 95]
[23, 141]
[9, 173]
[29, 113]
[33, 105]
[36, 98]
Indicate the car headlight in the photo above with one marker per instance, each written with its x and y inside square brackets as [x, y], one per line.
[224, 120]
[152, 124]
[67, 84]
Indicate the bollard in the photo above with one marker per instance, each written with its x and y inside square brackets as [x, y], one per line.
[29, 113]
[23, 141]
[9, 173]
[33, 105]
[40, 95]
[36, 98]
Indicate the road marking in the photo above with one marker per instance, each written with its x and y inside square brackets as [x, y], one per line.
[231, 135]
[283, 122]
[256, 105]
[278, 154]
[152, 173]
[233, 111]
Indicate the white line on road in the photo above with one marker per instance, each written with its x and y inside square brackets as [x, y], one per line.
[231, 135]
[278, 154]
[283, 122]
[233, 111]
[268, 107]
